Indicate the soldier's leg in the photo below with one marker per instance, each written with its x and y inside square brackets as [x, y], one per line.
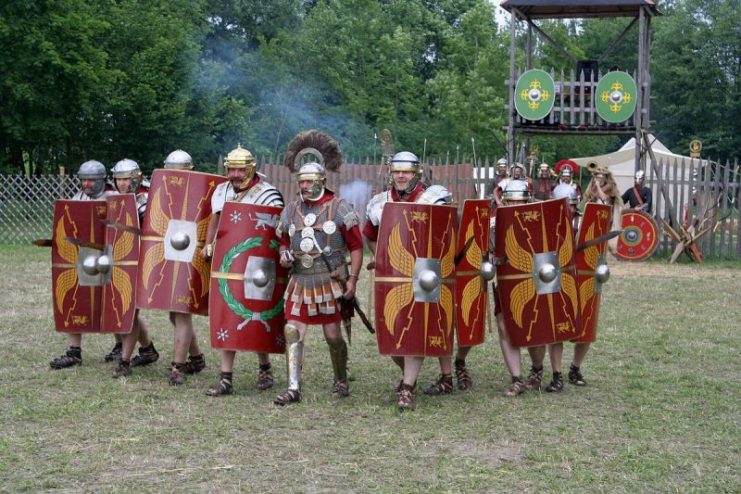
[196, 361]
[128, 344]
[147, 353]
[575, 376]
[535, 378]
[265, 372]
[511, 357]
[115, 353]
[444, 383]
[224, 385]
[462, 377]
[295, 332]
[555, 352]
[338, 354]
[412, 366]
[183, 332]
[73, 355]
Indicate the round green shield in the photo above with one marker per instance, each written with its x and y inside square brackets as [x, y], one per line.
[616, 97]
[534, 94]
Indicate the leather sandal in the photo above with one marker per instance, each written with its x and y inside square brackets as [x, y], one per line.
[223, 387]
[290, 396]
[443, 385]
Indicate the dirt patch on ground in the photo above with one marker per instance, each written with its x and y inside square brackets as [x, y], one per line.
[491, 455]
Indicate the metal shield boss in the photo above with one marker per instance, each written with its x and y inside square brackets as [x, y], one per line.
[591, 268]
[122, 258]
[473, 272]
[640, 236]
[415, 279]
[247, 281]
[537, 282]
[77, 277]
[172, 274]
[616, 97]
[535, 94]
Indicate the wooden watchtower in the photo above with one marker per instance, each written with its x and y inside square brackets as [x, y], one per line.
[574, 107]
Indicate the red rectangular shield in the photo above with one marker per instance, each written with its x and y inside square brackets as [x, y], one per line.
[537, 282]
[595, 223]
[415, 280]
[470, 286]
[247, 281]
[76, 286]
[122, 248]
[172, 274]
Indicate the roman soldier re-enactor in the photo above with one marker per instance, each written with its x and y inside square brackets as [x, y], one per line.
[93, 186]
[186, 341]
[543, 184]
[405, 174]
[493, 186]
[316, 232]
[565, 171]
[127, 178]
[247, 187]
[638, 197]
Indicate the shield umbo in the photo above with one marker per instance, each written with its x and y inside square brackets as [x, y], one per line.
[534, 94]
[247, 281]
[536, 281]
[639, 238]
[121, 260]
[616, 97]
[415, 278]
[591, 268]
[172, 274]
[470, 279]
[77, 246]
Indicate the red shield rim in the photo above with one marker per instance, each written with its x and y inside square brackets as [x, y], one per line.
[639, 239]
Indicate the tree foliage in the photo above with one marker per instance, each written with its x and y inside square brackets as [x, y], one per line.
[108, 80]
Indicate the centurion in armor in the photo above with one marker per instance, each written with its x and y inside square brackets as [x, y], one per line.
[317, 231]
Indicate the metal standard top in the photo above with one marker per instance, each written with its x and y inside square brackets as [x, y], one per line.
[549, 9]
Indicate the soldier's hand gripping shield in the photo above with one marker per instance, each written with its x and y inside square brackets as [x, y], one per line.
[473, 272]
[172, 276]
[247, 281]
[591, 266]
[76, 271]
[537, 283]
[415, 279]
[120, 264]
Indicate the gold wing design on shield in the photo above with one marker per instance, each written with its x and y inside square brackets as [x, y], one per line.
[568, 285]
[586, 292]
[153, 256]
[447, 302]
[158, 219]
[204, 271]
[591, 254]
[65, 282]
[202, 228]
[122, 284]
[473, 255]
[396, 299]
[566, 252]
[66, 250]
[470, 292]
[522, 260]
[399, 257]
[447, 263]
[124, 246]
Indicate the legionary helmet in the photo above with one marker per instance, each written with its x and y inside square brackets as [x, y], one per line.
[93, 170]
[516, 191]
[326, 152]
[242, 159]
[566, 171]
[404, 161]
[640, 175]
[521, 167]
[567, 191]
[545, 168]
[179, 160]
[502, 166]
[127, 168]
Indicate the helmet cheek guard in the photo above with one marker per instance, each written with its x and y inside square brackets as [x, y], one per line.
[241, 158]
[127, 168]
[93, 170]
[318, 177]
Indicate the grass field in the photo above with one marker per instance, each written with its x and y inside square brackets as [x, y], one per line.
[661, 412]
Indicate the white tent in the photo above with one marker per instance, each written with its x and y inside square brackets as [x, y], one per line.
[622, 163]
